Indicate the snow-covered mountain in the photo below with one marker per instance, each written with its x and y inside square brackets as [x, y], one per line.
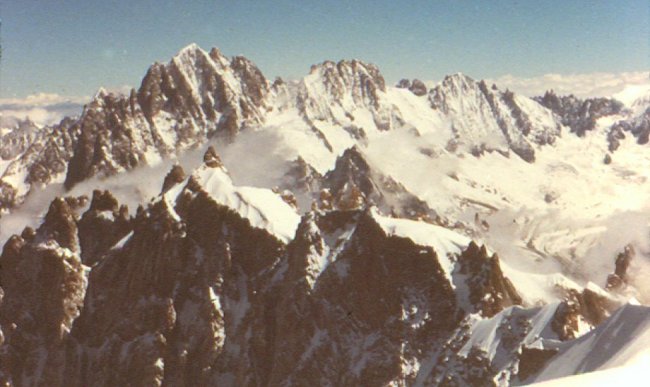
[330, 230]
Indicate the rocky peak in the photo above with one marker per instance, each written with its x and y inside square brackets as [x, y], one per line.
[362, 283]
[17, 140]
[457, 83]
[302, 176]
[174, 176]
[178, 105]
[352, 74]
[489, 290]
[204, 82]
[35, 158]
[350, 182]
[350, 166]
[103, 201]
[60, 225]
[102, 226]
[349, 85]
[403, 84]
[211, 158]
[637, 126]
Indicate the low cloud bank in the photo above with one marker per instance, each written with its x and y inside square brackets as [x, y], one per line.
[580, 85]
[42, 108]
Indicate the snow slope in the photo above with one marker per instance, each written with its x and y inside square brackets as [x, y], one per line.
[622, 341]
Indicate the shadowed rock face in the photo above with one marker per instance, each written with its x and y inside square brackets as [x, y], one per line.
[382, 295]
[173, 177]
[188, 292]
[102, 226]
[346, 85]
[44, 283]
[195, 294]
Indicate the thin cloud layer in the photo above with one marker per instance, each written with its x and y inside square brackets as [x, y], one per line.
[42, 108]
[580, 85]
[46, 108]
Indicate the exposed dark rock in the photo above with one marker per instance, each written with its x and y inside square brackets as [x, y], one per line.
[211, 158]
[403, 84]
[117, 132]
[352, 184]
[512, 125]
[638, 127]
[489, 290]
[174, 176]
[102, 226]
[43, 282]
[418, 88]
[619, 278]
[42, 153]
[532, 360]
[579, 115]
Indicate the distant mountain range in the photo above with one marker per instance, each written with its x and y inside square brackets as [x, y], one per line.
[327, 231]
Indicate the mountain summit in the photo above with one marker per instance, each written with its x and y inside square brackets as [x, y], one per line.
[215, 228]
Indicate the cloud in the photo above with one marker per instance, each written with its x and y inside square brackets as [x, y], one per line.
[46, 108]
[42, 100]
[580, 85]
[42, 108]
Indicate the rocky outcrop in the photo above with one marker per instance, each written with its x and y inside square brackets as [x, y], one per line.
[416, 86]
[489, 291]
[212, 283]
[368, 295]
[619, 279]
[173, 177]
[353, 184]
[102, 226]
[638, 127]
[579, 115]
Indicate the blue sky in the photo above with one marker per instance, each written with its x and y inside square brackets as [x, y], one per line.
[72, 47]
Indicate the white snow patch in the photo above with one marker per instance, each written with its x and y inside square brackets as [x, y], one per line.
[261, 207]
[443, 241]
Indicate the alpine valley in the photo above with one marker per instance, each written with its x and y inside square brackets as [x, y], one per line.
[214, 227]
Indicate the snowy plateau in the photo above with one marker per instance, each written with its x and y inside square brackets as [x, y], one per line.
[213, 227]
